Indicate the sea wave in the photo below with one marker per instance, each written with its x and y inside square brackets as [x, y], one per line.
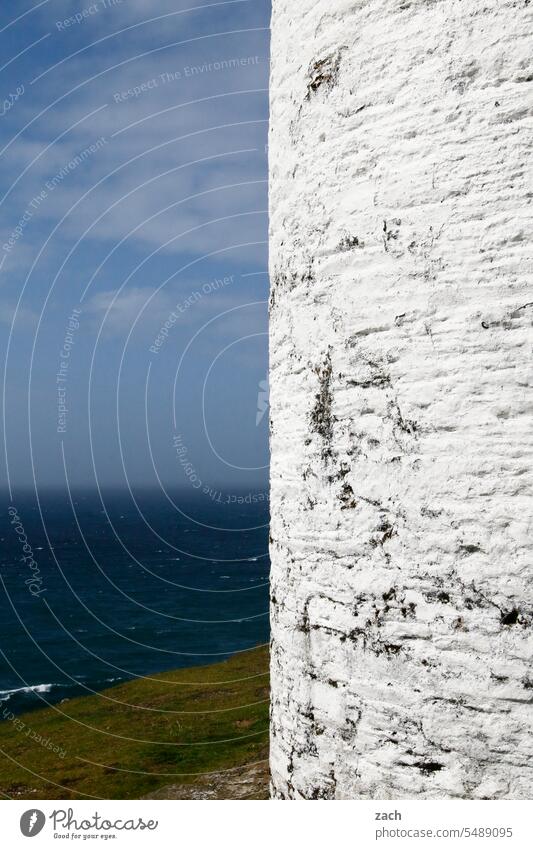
[5, 695]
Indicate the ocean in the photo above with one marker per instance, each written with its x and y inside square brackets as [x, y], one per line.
[101, 588]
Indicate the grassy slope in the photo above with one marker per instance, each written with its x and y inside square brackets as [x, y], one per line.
[178, 723]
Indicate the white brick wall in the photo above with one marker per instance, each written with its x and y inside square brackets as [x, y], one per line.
[401, 373]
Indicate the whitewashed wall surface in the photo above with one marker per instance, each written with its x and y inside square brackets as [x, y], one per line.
[401, 376]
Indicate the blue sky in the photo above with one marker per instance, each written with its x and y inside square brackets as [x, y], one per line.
[133, 246]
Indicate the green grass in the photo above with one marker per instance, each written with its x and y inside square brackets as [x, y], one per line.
[131, 740]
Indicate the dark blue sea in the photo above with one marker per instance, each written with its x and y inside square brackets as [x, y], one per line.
[105, 587]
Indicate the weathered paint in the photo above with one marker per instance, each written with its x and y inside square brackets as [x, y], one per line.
[401, 374]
